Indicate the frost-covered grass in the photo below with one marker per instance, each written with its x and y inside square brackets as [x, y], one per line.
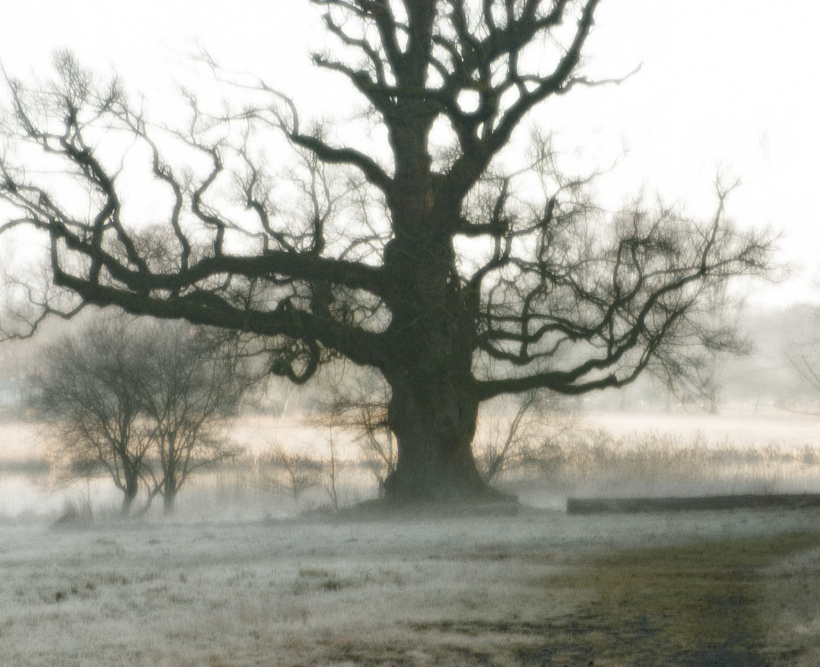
[235, 580]
[446, 591]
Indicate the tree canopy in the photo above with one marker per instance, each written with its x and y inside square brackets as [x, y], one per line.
[455, 277]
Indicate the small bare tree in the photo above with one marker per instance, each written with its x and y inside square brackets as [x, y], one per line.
[88, 392]
[524, 438]
[358, 404]
[193, 386]
[803, 352]
[281, 471]
[139, 401]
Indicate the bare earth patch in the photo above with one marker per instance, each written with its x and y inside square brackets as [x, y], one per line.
[541, 588]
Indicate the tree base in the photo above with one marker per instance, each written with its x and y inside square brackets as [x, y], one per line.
[490, 503]
[447, 485]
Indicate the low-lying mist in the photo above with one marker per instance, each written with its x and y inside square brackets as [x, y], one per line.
[290, 469]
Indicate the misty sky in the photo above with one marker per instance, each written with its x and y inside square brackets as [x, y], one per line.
[727, 86]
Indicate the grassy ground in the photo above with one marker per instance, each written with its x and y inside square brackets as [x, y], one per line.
[705, 603]
[541, 588]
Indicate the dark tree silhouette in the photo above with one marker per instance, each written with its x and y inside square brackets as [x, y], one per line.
[88, 390]
[425, 260]
[142, 401]
[192, 387]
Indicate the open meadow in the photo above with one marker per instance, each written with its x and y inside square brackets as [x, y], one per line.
[540, 588]
[247, 574]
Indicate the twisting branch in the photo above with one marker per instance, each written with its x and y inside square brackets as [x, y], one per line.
[659, 271]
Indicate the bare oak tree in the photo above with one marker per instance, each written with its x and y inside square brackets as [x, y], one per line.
[458, 280]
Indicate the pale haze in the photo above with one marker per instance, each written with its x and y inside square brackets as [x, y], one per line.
[281, 554]
[725, 88]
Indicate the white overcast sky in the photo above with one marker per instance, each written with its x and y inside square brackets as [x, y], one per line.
[726, 85]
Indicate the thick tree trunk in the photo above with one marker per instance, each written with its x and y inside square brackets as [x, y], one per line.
[434, 422]
[433, 333]
[433, 410]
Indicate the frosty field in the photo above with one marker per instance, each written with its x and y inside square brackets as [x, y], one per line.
[235, 579]
[540, 588]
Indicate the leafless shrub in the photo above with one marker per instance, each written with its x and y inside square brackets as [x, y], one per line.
[522, 434]
[357, 404]
[281, 471]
